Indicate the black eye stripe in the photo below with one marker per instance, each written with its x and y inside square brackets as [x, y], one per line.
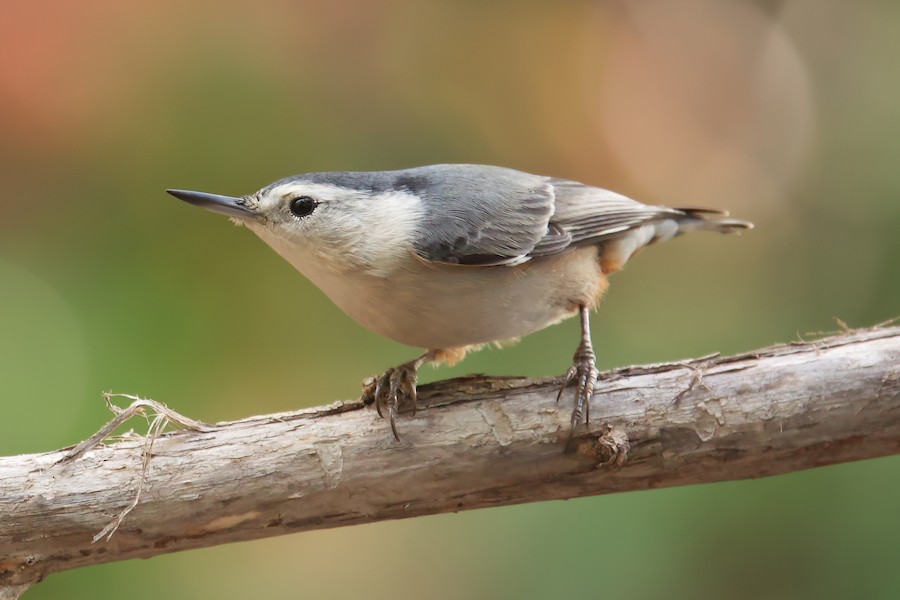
[303, 206]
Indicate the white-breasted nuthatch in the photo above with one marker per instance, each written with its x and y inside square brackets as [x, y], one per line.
[451, 257]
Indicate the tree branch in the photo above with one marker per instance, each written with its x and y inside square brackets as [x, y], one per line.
[480, 442]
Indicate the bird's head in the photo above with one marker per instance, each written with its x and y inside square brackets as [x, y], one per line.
[345, 220]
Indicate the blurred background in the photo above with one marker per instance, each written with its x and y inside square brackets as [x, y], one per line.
[784, 112]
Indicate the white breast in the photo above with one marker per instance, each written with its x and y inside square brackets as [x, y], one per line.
[441, 306]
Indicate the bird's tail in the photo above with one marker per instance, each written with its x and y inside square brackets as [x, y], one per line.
[705, 219]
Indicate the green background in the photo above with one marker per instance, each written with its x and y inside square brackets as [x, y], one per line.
[786, 113]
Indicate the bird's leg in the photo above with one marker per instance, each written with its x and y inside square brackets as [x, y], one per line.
[584, 373]
[395, 382]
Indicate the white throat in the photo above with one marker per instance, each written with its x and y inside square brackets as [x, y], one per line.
[354, 233]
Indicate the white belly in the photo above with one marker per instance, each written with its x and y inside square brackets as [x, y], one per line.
[436, 306]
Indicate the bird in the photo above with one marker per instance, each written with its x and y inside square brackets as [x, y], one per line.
[451, 257]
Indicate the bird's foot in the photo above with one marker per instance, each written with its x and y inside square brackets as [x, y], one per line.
[387, 391]
[584, 373]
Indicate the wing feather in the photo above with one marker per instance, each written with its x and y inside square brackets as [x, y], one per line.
[485, 216]
[481, 215]
[591, 215]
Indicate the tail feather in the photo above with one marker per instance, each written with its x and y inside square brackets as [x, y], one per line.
[705, 219]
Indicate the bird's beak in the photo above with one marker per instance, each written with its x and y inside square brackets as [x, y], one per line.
[226, 205]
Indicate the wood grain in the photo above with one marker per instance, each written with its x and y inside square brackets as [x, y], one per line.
[479, 442]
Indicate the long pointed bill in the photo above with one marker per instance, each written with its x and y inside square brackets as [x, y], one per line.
[226, 205]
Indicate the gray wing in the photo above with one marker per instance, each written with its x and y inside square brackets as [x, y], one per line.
[585, 215]
[479, 215]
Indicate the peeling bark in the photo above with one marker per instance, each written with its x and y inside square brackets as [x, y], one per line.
[478, 442]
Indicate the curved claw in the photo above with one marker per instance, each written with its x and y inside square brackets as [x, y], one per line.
[586, 373]
[393, 399]
[394, 383]
[567, 379]
[587, 404]
[585, 387]
[413, 395]
[379, 398]
[582, 403]
[391, 411]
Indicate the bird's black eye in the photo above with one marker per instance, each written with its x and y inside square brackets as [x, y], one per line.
[303, 206]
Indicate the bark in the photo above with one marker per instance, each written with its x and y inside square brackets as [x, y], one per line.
[474, 442]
